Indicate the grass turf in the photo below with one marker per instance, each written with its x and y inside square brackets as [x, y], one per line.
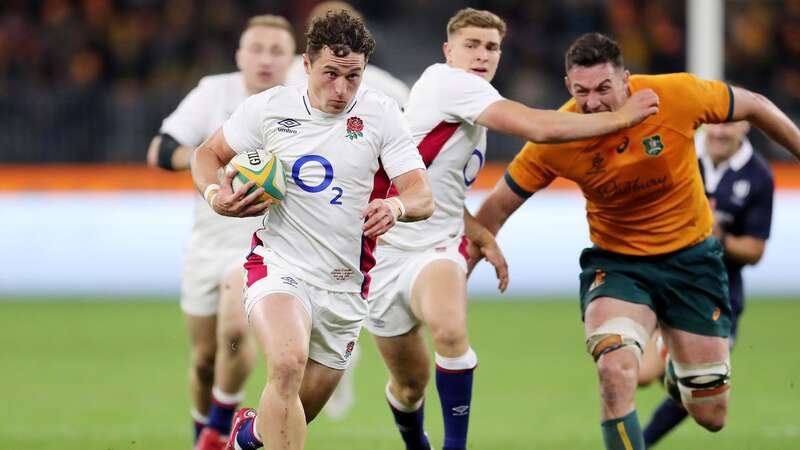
[96, 375]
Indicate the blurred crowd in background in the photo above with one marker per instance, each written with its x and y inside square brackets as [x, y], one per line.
[91, 80]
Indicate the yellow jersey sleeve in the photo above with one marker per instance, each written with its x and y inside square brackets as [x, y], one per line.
[701, 101]
[528, 173]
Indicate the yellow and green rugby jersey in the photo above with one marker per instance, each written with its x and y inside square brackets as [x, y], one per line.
[644, 194]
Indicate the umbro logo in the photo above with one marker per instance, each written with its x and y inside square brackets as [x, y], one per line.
[461, 410]
[289, 281]
[286, 126]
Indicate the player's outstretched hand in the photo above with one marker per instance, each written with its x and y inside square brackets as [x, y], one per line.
[380, 216]
[239, 203]
[486, 247]
[639, 106]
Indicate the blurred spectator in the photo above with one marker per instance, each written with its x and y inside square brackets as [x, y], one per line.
[89, 80]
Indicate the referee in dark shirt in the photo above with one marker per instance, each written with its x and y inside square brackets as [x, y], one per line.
[740, 188]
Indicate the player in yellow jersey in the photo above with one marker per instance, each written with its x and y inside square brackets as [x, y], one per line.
[654, 259]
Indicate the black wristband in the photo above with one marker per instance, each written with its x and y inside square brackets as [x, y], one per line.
[166, 149]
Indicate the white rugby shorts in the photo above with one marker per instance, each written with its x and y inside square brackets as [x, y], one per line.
[203, 273]
[336, 317]
[393, 277]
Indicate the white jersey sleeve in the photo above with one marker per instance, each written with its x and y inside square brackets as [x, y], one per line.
[399, 154]
[442, 109]
[465, 96]
[243, 130]
[189, 123]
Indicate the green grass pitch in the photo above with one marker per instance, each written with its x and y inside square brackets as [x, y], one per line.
[103, 376]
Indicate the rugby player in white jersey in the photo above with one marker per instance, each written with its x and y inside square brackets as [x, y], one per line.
[421, 269]
[343, 398]
[308, 272]
[211, 292]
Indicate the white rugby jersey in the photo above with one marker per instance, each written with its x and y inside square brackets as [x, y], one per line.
[441, 112]
[332, 173]
[374, 77]
[197, 117]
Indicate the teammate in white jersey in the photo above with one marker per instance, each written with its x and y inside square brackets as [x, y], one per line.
[308, 272]
[343, 398]
[212, 285]
[420, 275]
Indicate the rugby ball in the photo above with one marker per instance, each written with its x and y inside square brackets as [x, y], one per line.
[266, 170]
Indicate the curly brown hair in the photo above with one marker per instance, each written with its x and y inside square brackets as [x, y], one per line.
[341, 32]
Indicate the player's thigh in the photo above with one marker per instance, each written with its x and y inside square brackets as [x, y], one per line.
[282, 327]
[406, 356]
[390, 292]
[604, 309]
[652, 366]
[439, 294]
[231, 316]
[693, 296]
[202, 337]
[613, 296]
[319, 382]
[200, 282]
[338, 318]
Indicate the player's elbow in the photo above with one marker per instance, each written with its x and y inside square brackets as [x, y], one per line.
[152, 152]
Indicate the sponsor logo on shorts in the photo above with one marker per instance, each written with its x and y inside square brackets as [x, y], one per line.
[715, 315]
[461, 410]
[599, 279]
[342, 274]
[378, 323]
[441, 249]
[286, 126]
[289, 281]
[349, 349]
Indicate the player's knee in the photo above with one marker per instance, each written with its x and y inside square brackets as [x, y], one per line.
[286, 372]
[448, 338]
[713, 418]
[618, 375]
[411, 390]
[616, 346]
[704, 390]
[233, 337]
[203, 364]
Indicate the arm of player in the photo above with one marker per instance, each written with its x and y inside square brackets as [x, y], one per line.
[547, 126]
[762, 113]
[482, 244]
[207, 161]
[498, 207]
[743, 249]
[414, 203]
[165, 152]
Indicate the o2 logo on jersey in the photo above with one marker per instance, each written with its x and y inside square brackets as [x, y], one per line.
[326, 180]
[473, 167]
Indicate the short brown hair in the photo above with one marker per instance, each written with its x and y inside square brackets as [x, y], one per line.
[269, 20]
[592, 49]
[469, 17]
[341, 32]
